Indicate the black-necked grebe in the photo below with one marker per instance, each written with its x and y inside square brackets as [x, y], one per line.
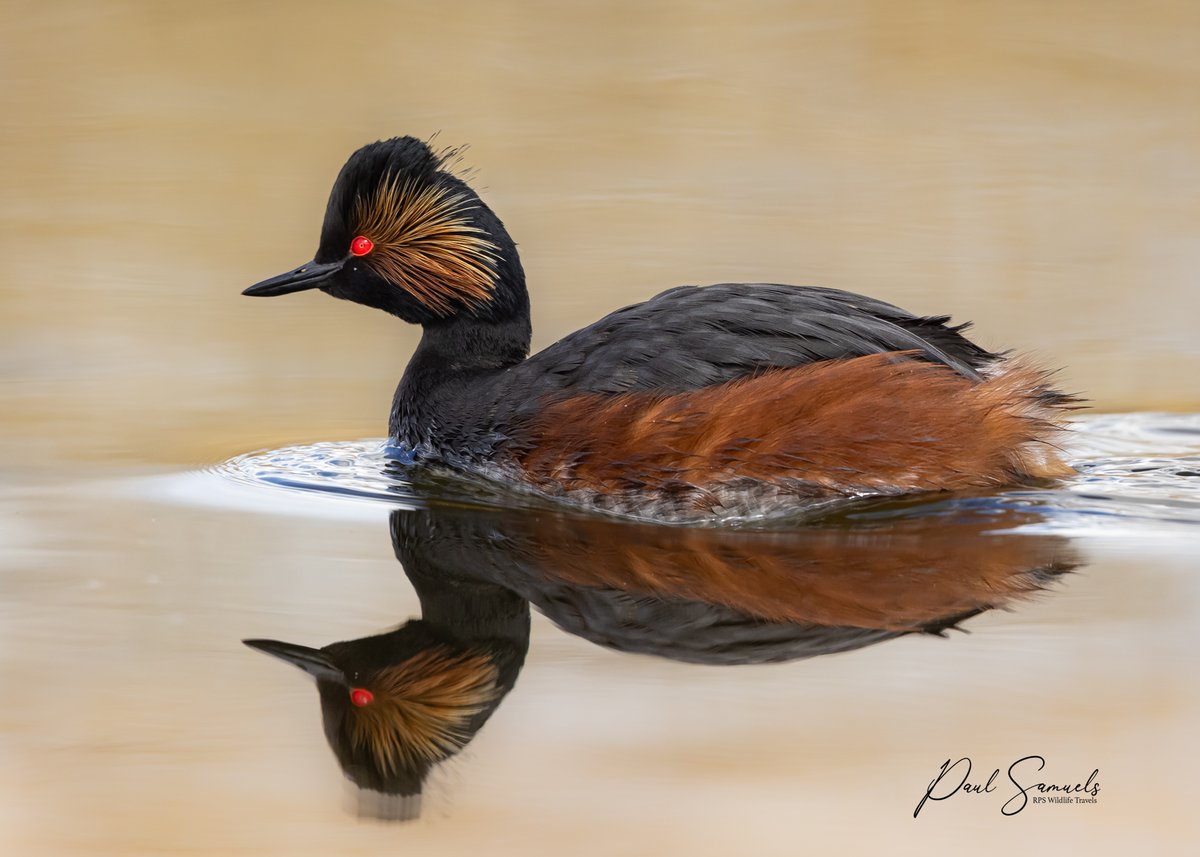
[723, 401]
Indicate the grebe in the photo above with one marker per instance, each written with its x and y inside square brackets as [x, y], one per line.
[726, 401]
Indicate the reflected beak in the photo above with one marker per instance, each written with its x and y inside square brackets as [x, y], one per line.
[310, 275]
[312, 661]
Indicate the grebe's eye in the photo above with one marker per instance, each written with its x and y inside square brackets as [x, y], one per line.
[360, 696]
[361, 246]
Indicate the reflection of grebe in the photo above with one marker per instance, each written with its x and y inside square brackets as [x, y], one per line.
[397, 704]
[729, 400]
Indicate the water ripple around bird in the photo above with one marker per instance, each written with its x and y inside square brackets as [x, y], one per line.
[1138, 470]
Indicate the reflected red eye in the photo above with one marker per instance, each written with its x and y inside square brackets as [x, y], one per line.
[361, 246]
[361, 696]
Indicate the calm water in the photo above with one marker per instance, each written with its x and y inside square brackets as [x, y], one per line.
[794, 687]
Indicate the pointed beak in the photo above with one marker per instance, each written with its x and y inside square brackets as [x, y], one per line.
[310, 275]
[312, 661]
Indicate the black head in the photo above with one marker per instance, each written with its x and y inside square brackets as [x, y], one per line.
[405, 235]
[395, 705]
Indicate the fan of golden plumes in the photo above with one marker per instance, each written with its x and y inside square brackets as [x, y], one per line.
[422, 707]
[425, 243]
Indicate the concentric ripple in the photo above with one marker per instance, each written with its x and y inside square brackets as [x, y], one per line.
[361, 469]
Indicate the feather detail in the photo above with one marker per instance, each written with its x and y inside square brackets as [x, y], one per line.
[881, 424]
[422, 707]
[425, 243]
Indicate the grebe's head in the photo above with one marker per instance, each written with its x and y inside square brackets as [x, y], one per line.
[394, 706]
[403, 234]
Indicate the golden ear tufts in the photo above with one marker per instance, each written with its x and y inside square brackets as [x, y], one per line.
[422, 707]
[425, 243]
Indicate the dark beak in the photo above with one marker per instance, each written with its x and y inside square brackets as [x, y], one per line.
[312, 661]
[308, 276]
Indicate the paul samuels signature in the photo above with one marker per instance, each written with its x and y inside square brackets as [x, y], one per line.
[952, 779]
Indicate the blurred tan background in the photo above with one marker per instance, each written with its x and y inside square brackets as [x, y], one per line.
[1032, 166]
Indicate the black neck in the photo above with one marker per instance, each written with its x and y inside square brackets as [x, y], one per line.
[452, 354]
[465, 344]
[445, 556]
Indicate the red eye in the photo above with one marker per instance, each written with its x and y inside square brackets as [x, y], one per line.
[361, 696]
[361, 246]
